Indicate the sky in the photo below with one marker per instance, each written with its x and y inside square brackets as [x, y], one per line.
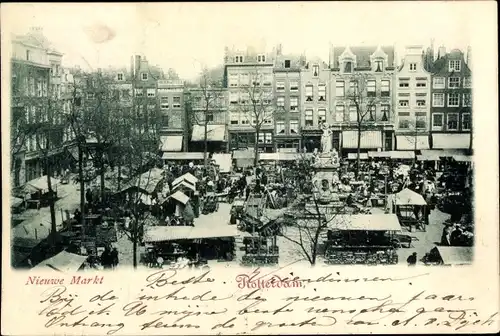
[187, 36]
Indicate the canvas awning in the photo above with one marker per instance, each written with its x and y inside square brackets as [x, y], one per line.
[409, 197]
[15, 201]
[455, 255]
[402, 155]
[146, 182]
[243, 154]
[369, 139]
[450, 141]
[186, 177]
[379, 154]
[462, 158]
[354, 156]
[156, 234]
[171, 143]
[63, 262]
[40, 184]
[407, 142]
[370, 222]
[214, 133]
[437, 154]
[224, 161]
[180, 196]
[184, 184]
[182, 156]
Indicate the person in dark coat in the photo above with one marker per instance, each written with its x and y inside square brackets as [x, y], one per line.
[106, 258]
[114, 257]
[263, 179]
[88, 196]
[412, 259]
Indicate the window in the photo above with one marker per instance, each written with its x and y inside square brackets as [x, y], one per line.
[120, 77]
[454, 66]
[421, 123]
[139, 93]
[339, 112]
[437, 121]
[244, 98]
[413, 66]
[176, 102]
[467, 82]
[385, 90]
[244, 79]
[322, 92]
[144, 76]
[268, 80]
[321, 115]
[280, 86]
[453, 82]
[294, 86]
[438, 99]
[233, 80]
[384, 110]
[209, 117]
[371, 86]
[287, 64]
[309, 117]
[467, 100]
[372, 112]
[452, 123]
[379, 65]
[404, 103]
[438, 82]
[28, 55]
[164, 103]
[353, 87]
[420, 102]
[234, 119]
[340, 88]
[421, 83]
[453, 99]
[126, 94]
[353, 113]
[233, 98]
[280, 127]
[164, 120]
[280, 101]
[404, 83]
[238, 59]
[261, 58]
[39, 89]
[294, 103]
[294, 126]
[348, 67]
[309, 93]
[466, 122]
[315, 69]
[404, 124]
[151, 92]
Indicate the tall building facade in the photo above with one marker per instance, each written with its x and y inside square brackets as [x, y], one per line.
[451, 126]
[413, 98]
[172, 116]
[248, 76]
[287, 94]
[364, 76]
[315, 103]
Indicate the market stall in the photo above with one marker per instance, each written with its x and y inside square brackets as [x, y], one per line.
[450, 255]
[64, 262]
[38, 189]
[411, 209]
[362, 239]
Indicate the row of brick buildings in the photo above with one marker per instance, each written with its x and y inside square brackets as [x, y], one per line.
[422, 102]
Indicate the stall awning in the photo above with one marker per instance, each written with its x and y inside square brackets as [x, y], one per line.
[462, 158]
[282, 156]
[146, 182]
[186, 177]
[379, 154]
[156, 234]
[409, 197]
[371, 222]
[63, 262]
[214, 133]
[15, 201]
[243, 154]
[369, 139]
[184, 184]
[40, 184]
[224, 161]
[402, 155]
[437, 154]
[450, 141]
[407, 142]
[354, 156]
[455, 255]
[182, 156]
[180, 196]
[171, 143]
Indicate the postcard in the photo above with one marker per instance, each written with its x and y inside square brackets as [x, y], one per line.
[250, 168]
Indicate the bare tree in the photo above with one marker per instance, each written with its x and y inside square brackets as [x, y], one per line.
[364, 98]
[257, 104]
[204, 103]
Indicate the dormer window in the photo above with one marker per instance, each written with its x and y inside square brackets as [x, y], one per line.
[119, 76]
[287, 64]
[144, 76]
[261, 58]
[238, 59]
[315, 69]
[379, 65]
[454, 66]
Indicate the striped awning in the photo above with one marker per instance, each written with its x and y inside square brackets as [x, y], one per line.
[168, 233]
[171, 143]
[407, 142]
[214, 133]
[369, 139]
[451, 141]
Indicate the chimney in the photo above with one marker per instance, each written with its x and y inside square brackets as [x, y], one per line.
[132, 73]
[441, 51]
[137, 65]
[279, 49]
[226, 54]
[331, 57]
[469, 59]
[433, 56]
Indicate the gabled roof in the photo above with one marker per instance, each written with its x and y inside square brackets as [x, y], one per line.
[441, 64]
[363, 55]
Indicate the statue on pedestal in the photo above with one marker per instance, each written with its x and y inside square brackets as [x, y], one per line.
[326, 138]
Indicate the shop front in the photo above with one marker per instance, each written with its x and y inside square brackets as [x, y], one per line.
[242, 140]
[451, 141]
[311, 139]
[289, 144]
[411, 142]
[369, 141]
[216, 138]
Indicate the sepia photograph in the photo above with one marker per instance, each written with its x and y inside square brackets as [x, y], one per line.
[149, 138]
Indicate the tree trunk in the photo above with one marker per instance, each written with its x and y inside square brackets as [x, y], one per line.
[82, 185]
[205, 145]
[135, 237]
[102, 176]
[358, 151]
[256, 147]
[53, 226]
